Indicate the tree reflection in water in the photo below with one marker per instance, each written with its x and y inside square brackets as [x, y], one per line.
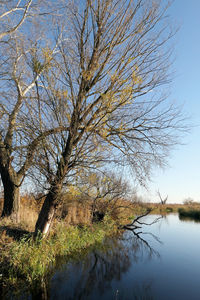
[100, 273]
[95, 276]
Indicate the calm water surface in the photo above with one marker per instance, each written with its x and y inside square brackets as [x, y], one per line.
[162, 262]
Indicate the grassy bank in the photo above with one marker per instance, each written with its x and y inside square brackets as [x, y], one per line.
[158, 208]
[31, 260]
[24, 260]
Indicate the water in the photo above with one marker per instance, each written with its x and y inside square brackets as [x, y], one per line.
[161, 262]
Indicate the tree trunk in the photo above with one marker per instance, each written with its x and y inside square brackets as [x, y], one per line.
[11, 197]
[48, 210]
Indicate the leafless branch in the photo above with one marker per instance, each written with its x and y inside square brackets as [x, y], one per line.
[162, 200]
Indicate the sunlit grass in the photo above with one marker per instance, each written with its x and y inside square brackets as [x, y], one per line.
[32, 260]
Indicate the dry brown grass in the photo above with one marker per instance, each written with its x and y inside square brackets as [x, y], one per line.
[78, 211]
[29, 209]
[158, 208]
[78, 214]
[28, 214]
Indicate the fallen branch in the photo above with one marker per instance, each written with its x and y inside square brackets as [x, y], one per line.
[133, 225]
[155, 221]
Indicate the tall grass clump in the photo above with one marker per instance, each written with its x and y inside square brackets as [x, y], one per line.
[33, 259]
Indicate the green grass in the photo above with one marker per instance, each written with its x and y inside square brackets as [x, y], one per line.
[32, 260]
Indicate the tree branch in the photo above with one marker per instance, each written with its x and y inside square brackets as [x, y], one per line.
[20, 22]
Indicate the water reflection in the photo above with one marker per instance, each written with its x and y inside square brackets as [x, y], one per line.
[40, 291]
[136, 265]
[188, 219]
[99, 274]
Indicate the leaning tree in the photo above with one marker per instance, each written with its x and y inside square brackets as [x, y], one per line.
[103, 86]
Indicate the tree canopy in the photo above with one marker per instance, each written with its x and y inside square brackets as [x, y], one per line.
[85, 91]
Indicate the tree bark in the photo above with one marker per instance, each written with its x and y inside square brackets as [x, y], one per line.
[48, 210]
[11, 197]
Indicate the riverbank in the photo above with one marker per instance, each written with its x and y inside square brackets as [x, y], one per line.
[74, 229]
[125, 267]
[32, 260]
[157, 208]
[24, 259]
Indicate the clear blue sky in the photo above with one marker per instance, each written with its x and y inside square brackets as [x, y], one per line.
[182, 178]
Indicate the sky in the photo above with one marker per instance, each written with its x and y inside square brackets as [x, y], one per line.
[181, 179]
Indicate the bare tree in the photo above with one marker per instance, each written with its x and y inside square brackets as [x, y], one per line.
[103, 189]
[103, 88]
[163, 201]
[21, 130]
[189, 201]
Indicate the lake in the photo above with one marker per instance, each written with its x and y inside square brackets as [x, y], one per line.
[161, 261]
